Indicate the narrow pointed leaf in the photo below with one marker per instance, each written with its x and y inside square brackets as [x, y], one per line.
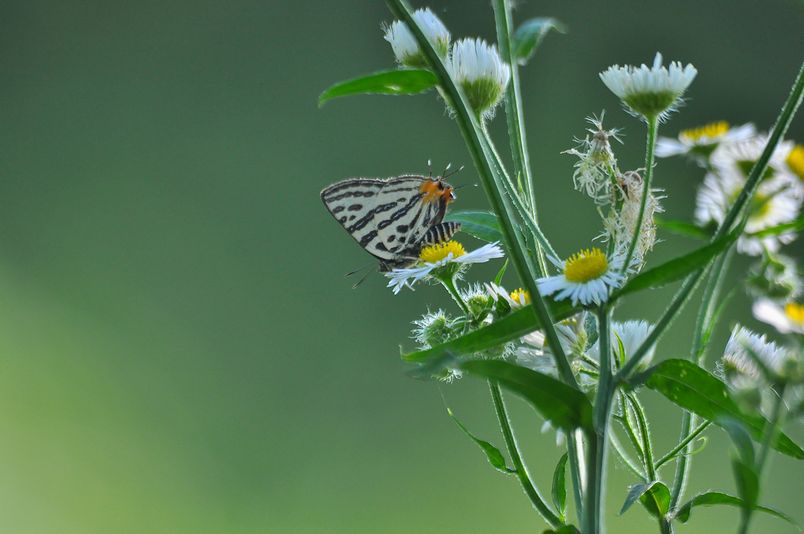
[495, 457]
[741, 439]
[655, 497]
[513, 326]
[713, 498]
[683, 228]
[793, 226]
[564, 406]
[527, 38]
[480, 224]
[559, 490]
[747, 482]
[676, 269]
[387, 82]
[702, 393]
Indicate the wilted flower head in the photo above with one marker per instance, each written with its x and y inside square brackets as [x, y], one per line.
[596, 162]
[699, 143]
[444, 260]
[787, 318]
[476, 66]
[587, 277]
[649, 92]
[620, 226]
[404, 44]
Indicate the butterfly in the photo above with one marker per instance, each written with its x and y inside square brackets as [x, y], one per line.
[393, 218]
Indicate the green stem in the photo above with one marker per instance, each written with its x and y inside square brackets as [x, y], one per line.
[629, 429]
[449, 284]
[593, 521]
[492, 184]
[773, 427]
[682, 445]
[647, 446]
[703, 326]
[734, 214]
[521, 470]
[650, 146]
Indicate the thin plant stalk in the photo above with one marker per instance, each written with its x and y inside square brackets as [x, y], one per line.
[513, 450]
[773, 428]
[592, 520]
[675, 451]
[650, 147]
[735, 213]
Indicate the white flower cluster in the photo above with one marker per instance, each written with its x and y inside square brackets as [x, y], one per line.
[473, 64]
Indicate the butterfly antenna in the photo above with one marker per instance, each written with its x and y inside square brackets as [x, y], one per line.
[456, 171]
[358, 270]
[430, 168]
[362, 279]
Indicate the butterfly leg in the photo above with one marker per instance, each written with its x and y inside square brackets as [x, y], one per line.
[440, 233]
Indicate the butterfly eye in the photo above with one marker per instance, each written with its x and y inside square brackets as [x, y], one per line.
[440, 186]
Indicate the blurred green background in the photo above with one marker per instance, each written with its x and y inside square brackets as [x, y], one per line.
[180, 351]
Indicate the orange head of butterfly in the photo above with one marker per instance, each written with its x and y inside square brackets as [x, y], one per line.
[437, 191]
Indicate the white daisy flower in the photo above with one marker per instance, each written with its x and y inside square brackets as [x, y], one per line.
[699, 143]
[587, 277]
[477, 67]
[775, 277]
[774, 203]
[786, 319]
[649, 92]
[632, 334]
[434, 257]
[795, 162]
[404, 44]
[740, 156]
[737, 366]
[515, 299]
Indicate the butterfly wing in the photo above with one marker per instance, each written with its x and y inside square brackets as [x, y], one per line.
[388, 218]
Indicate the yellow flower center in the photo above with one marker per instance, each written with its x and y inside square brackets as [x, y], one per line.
[586, 265]
[795, 160]
[434, 253]
[795, 312]
[712, 130]
[521, 296]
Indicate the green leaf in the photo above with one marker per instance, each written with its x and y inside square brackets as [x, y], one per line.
[683, 228]
[501, 273]
[655, 497]
[677, 268]
[747, 482]
[387, 82]
[495, 457]
[712, 498]
[700, 392]
[480, 224]
[566, 529]
[560, 487]
[527, 38]
[741, 439]
[513, 326]
[794, 226]
[564, 406]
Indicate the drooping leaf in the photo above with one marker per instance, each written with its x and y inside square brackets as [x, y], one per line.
[566, 529]
[700, 392]
[741, 439]
[712, 498]
[655, 497]
[793, 226]
[512, 326]
[527, 38]
[677, 268]
[682, 228]
[387, 82]
[480, 224]
[495, 457]
[747, 482]
[564, 406]
[559, 490]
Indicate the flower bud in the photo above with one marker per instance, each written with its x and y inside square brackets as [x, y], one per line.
[404, 45]
[478, 69]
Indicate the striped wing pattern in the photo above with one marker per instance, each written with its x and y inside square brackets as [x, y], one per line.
[388, 218]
